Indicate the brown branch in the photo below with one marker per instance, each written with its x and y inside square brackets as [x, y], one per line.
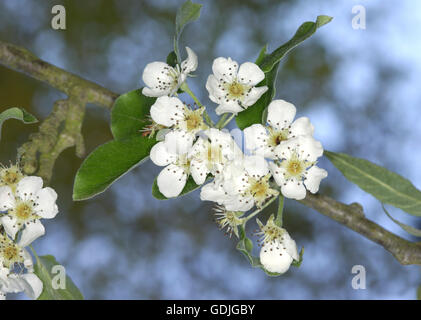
[352, 216]
[22, 60]
[49, 142]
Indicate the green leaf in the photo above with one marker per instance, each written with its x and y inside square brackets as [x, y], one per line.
[269, 63]
[411, 230]
[109, 162]
[43, 269]
[16, 113]
[419, 293]
[187, 13]
[385, 185]
[303, 32]
[130, 114]
[172, 59]
[189, 187]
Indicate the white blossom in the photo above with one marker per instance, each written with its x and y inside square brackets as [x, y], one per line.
[210, 153]
[173, 154]
[14, 283]
[241, 185]
[161, 79]
[25, 207]
[234, 88]
[171, 112]
[297, 171]
[10, 176]
[263, 140]
[278, 249]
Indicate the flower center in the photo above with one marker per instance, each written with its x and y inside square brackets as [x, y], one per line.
[10, 253]
[193, 120]
[276, 137]
[295, 167]
[236, 89]
[260, 190]
[24, 211]
[10, 176]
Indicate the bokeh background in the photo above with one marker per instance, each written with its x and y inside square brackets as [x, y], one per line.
[360, 89]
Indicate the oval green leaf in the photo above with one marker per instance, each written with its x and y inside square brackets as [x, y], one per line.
[385, 185]
[44, 269]
[130, 114]
[109, 162]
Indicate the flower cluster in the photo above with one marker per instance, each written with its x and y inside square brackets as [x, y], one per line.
[23, 203]
[280, 155]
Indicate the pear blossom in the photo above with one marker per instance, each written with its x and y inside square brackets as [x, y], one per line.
[297, 170]
[278, 249]
[172, 113]
[264, 139]
[173, 154]
[161, 79]
[210, 153]
[241, 185]
[25, 207]
[234, 88]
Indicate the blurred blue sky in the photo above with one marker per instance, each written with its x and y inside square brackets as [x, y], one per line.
[144, 248]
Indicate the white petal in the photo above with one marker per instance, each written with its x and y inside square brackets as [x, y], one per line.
[277, 173]
[256, 139]
[190, 64]
[251, 97]
[28, 187]
[46, 203]
[213, 192]
[167, 110]
[160, 155]
[256, 166]
[32, 285]
[232, 106]
[2, 296]
[250, 74]
[225, 69]
[216, 94]
[10, 225]
[290, 246]
[310, 148]
[7, 200]
[178, 142]
[281, 114]
[239, 203]
[32, 231]
[156, 77]
[301, 127]
[171, 181]
[199, 171]
[275, 258]
[313, 178]
[293, 189]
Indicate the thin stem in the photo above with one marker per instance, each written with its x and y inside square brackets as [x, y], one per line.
[260, 209]
[225, 121]
[279, 215]
[187, 90]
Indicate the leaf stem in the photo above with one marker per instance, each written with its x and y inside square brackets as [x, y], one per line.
[223, 122]
[259, 210]
[279, 215]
